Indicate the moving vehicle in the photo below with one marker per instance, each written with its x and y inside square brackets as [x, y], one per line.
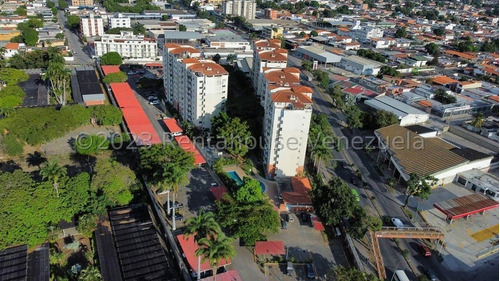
[400, 275]
[355, 193]
[424, 250]
[310, 271]
[397, 223]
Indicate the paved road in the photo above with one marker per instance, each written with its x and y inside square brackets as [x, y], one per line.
[80, 52]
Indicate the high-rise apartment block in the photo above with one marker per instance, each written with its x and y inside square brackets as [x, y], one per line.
[286, 130]
[195, 87]
[267, 54]
[119, 21]
[91, 26]
[243, 8]
[287, 106]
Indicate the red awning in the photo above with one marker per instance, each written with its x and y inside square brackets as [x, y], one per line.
[466, 205]
[189, 248]
[318, 225]
[172, 125]
[108, 69]
[218, 191]
[136, 119]
[269, 248]
[187, 145]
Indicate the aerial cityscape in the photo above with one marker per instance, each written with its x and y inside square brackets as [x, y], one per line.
[230, 140]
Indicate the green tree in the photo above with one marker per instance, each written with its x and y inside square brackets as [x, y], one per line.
[21, 11]
[385, 118]
[307, 65]
[182, 27]
[62, 4]
[114, 182]
[166, 168]
[419, 186]
[35, 23]
[401, 33]
[360, 222]
[249, 191]
[387, 70]
[202, 226]
[230, 58]
[353, 274]
[30, 36]
[313, 33]
[336, 94]
[248, 221]
[90, 145]
[90, 274]
[215, 249]
[106, 115]
[111, 58]
[139, 29]
[11, 145]
[60, 36]
[117, 77]
[216, 58]
[322, 77]
[9, 103]
[478, 120]
[50, 4]
[441, 96]
[439, 31]
[73, 22]
[58, 76]
[334, 201]
[12, 76]
[87, 224]
[354, 117]
[432, 49]
[235, 134]
[53, 172]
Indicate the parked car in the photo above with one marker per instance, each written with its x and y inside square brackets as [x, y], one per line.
[310, 271]
[424, 250]
[152, 98]
[213, 184]
[289, 268]
[430, 274]
[179, 217]
[177, 205]
[154, 102]
[397, 223]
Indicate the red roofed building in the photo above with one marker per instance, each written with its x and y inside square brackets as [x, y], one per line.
[298, 199]
[218, 191]
[12, 48]
[231, 275]
[189, 247]
[141, 129]
[108, 69]
[173, 127]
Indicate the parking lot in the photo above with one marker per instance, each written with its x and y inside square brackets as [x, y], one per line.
[465, 239]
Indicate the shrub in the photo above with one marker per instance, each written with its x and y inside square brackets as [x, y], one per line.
[115, 77]
[111, 58]
[107, 115]
[11, 145]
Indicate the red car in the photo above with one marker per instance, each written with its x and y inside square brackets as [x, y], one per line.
[424, 250]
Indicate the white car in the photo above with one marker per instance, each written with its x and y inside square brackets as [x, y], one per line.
[213, 184]
[154, 102]
[397, 222]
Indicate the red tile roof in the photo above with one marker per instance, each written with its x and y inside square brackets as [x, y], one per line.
[188, 146]
[172, 125]
[108, 69]
[300, 194]
[189, 248]
[218, 191]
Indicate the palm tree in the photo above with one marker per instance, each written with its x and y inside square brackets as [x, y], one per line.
[214, 250]
[53, 172]
[478, 121]
[58, 75]
[320, 153]
[202, 226]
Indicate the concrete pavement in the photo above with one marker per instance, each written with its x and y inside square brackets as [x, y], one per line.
[80, 52]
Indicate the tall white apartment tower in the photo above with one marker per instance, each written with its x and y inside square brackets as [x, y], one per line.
[243, 8]
[286, 130]
[196, 87]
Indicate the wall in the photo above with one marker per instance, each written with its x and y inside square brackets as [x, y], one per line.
[475, 138]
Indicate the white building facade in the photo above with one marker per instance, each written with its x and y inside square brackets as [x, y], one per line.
[365, 33]
[119, 21]
[91, 26]
[195, 87]
[286, 130]
[128, 45]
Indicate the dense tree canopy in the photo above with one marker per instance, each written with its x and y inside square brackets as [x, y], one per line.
[354, 117]
[401, 33]
[432, 49]
[233, 132]
[334, 201]
[369, 54]
[249, 191]
[441, 96]
[387, 70]
[73, 21]
[115, 77]
[111, 58]
[353, 274]
[12, 76]
[419, 186]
